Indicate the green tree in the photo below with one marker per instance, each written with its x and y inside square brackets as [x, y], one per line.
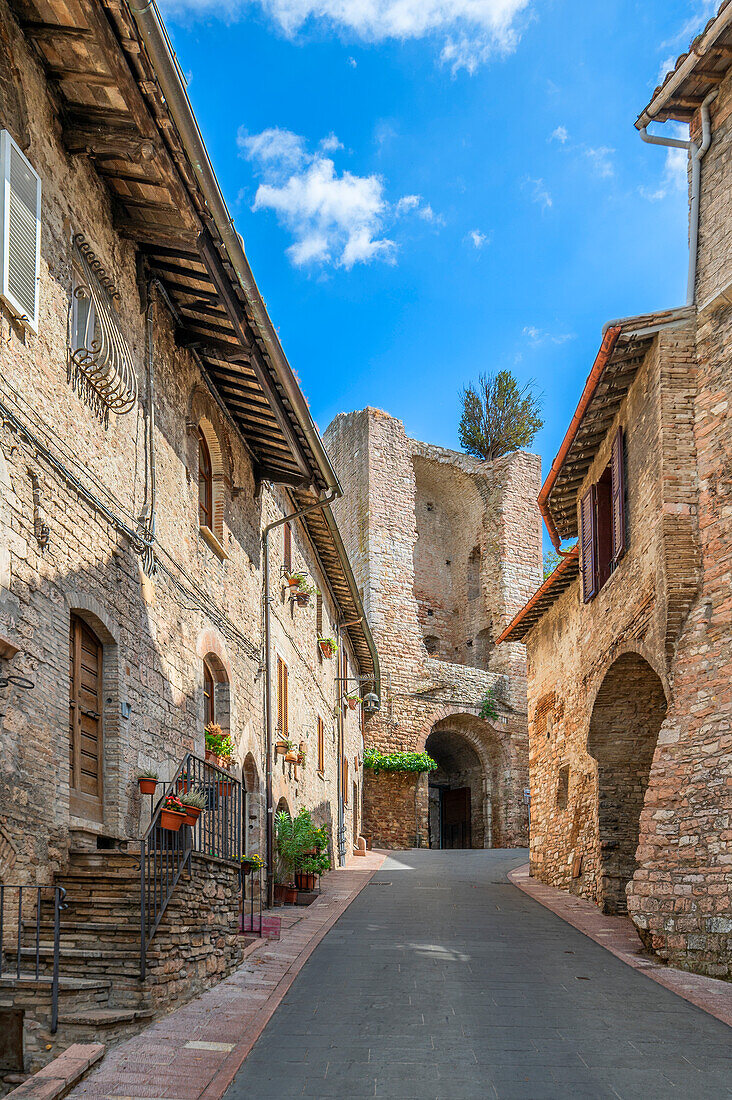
[551, 561]
[498, 416]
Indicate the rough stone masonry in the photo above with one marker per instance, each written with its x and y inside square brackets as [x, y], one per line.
[445, 549]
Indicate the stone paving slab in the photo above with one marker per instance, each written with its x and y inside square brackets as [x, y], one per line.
[618, 935]
[55, 1080]
[196, 1050]
[451, 983]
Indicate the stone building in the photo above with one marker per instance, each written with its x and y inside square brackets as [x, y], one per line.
[151, 433]
[629, 642]
[444, 548]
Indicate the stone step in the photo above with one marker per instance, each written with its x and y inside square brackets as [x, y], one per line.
[107, 933]
[104, 1018]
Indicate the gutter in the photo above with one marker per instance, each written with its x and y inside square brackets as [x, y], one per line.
[609, 340]
[157, 44]
[570, 556]
[698, 49]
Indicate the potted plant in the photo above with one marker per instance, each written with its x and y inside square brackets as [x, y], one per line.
[251, 863]
[294, 837]
[147, 781]
[309, 869]
[291, 754]
[303, 594]
[302, 754]
[353, 699]
[294, 580]
[173, 813]
[328, 647]
[219, 746]
[194, 802]
[282, 746]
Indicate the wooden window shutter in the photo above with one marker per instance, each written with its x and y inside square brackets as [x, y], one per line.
[588, 536]
[321, 745]
[287, 548]
[617, 470]
[20, 231]
[282, 722]
[319, 615]
[285, 702]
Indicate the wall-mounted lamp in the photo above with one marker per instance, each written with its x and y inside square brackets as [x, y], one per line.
[371, 702]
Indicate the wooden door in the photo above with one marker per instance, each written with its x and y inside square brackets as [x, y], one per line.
[86, 754]
[456, 818]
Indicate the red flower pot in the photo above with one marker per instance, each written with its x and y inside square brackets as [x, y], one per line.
[290, 895]
[171, 820]
[147, 786]
[304, 880]
[352, 703]
[279, 894]
[326, 649]
[210, 757]
[224, 787]
[182, 786]
[291, 757]
[192, 815]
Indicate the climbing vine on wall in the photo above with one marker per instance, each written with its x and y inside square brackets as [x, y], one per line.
[398, 761]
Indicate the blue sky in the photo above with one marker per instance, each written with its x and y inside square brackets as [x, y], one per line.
[428, 189]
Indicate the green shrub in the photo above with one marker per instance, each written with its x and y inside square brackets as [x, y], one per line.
[398, 761]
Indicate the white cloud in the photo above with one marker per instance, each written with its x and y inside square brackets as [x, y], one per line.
[352, 62]
[666, 67]
[337, 219]
[477, 239]
[600, 160]
[675, 177]
[537, 336]
[539, 192]
[560, 134]
[470, 30]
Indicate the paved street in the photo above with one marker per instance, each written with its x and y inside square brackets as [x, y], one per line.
[442, 980]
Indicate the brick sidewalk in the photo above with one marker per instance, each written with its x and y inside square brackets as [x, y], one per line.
[619, 936]
[196, 1050]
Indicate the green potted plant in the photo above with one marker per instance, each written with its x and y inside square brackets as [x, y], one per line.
[353, 699]
[291, 752]
[328, 647]
[173, 813]
[310, 868]
[302, 754]
[194, 802]
[295, 580]
[294, 836]
[219, 746]
[147, 782]
[251, 863]
[304, 593]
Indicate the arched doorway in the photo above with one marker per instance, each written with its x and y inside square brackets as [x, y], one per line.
[460, 803]
[86, 705]
[251, 839]
[626, 718]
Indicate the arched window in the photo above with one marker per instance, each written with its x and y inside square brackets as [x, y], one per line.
[209, 696]
[205, 484]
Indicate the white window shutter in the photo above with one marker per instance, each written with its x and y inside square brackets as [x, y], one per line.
[20, 231]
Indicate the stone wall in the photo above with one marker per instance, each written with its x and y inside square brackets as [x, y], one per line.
[445, 550]
[630, 692]
[74, 485]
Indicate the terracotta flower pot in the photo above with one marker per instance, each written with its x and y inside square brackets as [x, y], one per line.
[246, 868]
[210, 757]
[352, 703]
[305, 880]
[171, 820]
[326, 649]
[281, 748]
[303, 599]
[147, 786]
[291, 757]
[279, 894]
[182, 786]
[290, 895]
[224, 788]
[192, 815]
[293, 582]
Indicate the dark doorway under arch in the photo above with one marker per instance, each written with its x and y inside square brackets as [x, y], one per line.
[456, 792]
[626, 718]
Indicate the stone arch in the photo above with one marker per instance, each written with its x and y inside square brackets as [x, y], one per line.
[283, 806]
[627, 714]
[212, 655]
[470, 754]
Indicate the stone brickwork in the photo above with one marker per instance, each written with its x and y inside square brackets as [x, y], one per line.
[445, 550]
[631, 692]
[74, 490]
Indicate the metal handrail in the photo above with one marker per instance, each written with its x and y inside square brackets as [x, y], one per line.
[251, 901]
[59, 895]
[164, 855]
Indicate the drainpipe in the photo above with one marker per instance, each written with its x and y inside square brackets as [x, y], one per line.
[268, 679]
[696, 153]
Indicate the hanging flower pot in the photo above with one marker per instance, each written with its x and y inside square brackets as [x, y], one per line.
[224, 788]
[328, 647]
[352, 701]
[172, 820]
[281, 747]
[291, 756]
[301, 759]
[183, 786]
[210, 757]
[147, 784]
[294, 580]
[192, 815]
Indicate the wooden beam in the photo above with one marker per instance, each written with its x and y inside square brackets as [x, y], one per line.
[38, 30]
[81, 76]
[280, 477]
[240, 323]
[144, 204]
[144, 233]
[174, 253]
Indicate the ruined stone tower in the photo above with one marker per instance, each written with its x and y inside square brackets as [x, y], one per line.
[445, 549]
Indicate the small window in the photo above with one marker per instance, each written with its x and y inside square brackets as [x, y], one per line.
[20, 231]
[287, 552]
[209, 695]
[205, 483]
[283, 725]
[321, 746]
[603, 524]
[563, 787]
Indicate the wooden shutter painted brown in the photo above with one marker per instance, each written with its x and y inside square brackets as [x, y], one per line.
[282, 714]
[287, 535]
[321, 746]
[319, 615]
[85, 720]
[588, 555]
[617, 470]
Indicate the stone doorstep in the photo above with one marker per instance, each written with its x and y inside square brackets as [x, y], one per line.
[59, 1076]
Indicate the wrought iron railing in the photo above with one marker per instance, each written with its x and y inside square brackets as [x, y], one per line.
[27, 912]
[165, 854]
[252, 887]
